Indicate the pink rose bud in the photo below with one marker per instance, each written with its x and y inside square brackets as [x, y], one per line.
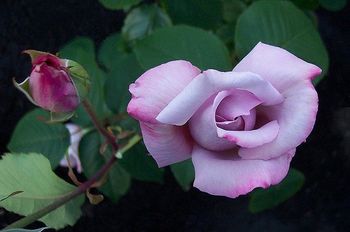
[51, 86]
[55, 84]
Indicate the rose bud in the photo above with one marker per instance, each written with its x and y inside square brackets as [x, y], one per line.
[55, 84]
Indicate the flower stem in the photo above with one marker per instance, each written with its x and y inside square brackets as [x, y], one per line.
[111, 139]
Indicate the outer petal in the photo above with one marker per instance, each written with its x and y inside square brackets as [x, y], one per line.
[152, 91]
[181, 108]
[223, 174]
[166, 143]
[276, 65]
[296, 118]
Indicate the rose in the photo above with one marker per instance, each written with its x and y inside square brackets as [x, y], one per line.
[240, 128]
[50, 85]
[55, 84]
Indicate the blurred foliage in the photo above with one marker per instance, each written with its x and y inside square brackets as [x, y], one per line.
[32, 134]
[333, 5]
[202, 48]
[282, 24]
[263, 199]
[143, 21]
[119, 4]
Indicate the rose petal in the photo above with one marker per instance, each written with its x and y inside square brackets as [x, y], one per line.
[251, 138]
[157, 87]
[249, 120]
[203, 128]
[73, 150]
[277, 66]
[296, 118]
[184, 105]
[223, 174]
[236, 103]
[166, 143]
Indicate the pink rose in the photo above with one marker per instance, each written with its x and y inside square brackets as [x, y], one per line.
[240, 128]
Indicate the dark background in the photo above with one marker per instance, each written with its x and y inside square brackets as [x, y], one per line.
[322, 205]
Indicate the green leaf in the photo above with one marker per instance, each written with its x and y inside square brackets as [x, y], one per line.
[112, 49]
[25, 89]
[232, 9]
[262, 199]
[183, 173]
[306, 4]
[333, 5]
[32, 174]
[119, 4]
[10, 195]
[124, 72]
[82, 50]
[202, 48]
[140, 165]
[205, 14]
[80, 78]
[143, 21]
[32, 134]
[282, 24]
[118, 180]
[25, 230]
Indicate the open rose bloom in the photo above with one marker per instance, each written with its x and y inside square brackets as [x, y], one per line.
[241, 128]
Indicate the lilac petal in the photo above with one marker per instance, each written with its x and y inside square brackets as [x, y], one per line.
[203, 128]
[152, 91]
[188, 101]
[277, 66]
[296, 117]
[251, 138]
[235, 103]
[224, 174]
[166, 143]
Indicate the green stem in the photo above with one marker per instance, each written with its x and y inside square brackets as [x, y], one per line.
[83, 187]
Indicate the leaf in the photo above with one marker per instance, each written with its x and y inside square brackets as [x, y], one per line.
[10, 195]
[140, 165]
[232, 9]
[205, 14]
[262, 199]
[183, 173]
[119, 4]
[143, 21]
[25, 230]
[32, 134]
[118, 180]
[306, 4]
[32, 174]
[112, 49]
[282, 24]
[202, 48]
[82, 50]
[124, 72]
[333, 5]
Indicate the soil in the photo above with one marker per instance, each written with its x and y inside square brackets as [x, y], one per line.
[323, 204]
